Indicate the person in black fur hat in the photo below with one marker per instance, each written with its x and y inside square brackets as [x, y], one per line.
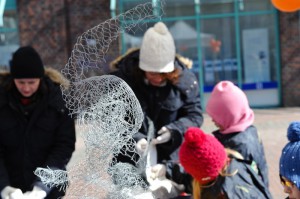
[36, 130]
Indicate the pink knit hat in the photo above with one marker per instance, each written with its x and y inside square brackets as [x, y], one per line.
[202, 155]
[228, 106]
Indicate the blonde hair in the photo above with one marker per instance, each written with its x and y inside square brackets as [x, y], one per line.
[172, 76]
[197, 187]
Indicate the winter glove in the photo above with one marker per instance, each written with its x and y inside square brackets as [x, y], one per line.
[160, 186]
[165, 188]
[11, 193]
[141, 146]
[158, 171]
[36, 193]
[164, 136]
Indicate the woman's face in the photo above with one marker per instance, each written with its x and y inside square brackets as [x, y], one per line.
[290, 188]
[155, 79]
[28, 86]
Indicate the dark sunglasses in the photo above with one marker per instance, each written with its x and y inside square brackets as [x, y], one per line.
[285, 182]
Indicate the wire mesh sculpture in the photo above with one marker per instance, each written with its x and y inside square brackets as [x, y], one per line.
[108, 114]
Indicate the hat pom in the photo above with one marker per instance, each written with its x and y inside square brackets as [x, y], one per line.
[194, 136]
[294, 132]
[161, 28]
[157, 53]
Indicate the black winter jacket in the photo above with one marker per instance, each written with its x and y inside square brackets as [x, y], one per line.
[45, 139]
[176, 107]
[249, 145]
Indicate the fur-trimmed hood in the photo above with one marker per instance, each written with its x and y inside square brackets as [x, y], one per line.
[52, 73]
[114, 64]
[53, 80]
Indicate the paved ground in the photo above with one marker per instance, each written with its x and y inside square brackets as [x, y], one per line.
[272, 125]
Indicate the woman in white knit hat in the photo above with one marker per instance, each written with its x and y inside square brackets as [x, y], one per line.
[167, 91]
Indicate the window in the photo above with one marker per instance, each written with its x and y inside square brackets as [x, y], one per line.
[234, 40]
[9, 35]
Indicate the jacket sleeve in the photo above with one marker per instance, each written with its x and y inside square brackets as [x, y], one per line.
[254, 151]
[263, 166]
[4, 180]
[64, 143]
[190, 114]
[62, 150]
[250, 146]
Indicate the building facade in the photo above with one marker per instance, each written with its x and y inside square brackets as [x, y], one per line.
[248, 42]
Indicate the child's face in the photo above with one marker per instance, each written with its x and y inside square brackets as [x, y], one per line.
[290, 188]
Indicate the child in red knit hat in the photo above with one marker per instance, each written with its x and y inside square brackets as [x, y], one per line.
[217, 172]
[229, 109]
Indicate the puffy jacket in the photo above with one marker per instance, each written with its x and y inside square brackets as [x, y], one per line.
[249, 145]
[176, 107]
[45, 139]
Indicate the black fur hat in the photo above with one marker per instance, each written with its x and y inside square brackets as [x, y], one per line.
[26, 63]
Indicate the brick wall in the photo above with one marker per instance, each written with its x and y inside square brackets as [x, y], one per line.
[290, 58]
[52, 26]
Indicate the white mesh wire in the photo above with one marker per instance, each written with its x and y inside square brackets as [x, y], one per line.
[91, 47]
[108, 114]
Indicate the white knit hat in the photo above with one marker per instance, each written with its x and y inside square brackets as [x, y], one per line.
[157, 52]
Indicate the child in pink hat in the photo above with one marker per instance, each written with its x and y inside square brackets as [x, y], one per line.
[229, 109]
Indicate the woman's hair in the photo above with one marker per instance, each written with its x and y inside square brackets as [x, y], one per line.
[197, 187]
[172, 76]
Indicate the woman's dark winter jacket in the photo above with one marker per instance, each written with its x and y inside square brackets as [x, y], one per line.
[38, 135]
[249, 145]
[245, 184]
[176, 107]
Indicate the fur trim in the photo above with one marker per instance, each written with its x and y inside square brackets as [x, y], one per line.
[4, 73]
[56, 77]
[186, 61]
[52, 73]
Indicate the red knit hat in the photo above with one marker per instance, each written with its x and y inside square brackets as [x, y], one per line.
[202, 155]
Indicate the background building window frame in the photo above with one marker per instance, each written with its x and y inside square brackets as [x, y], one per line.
[7, 48]
[238, 12]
